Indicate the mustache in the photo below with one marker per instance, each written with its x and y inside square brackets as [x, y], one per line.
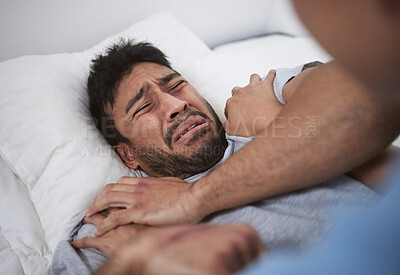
[175, 125]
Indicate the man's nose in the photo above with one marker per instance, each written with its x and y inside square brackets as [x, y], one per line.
[174, 106]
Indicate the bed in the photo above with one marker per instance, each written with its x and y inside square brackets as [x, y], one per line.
[49, 147]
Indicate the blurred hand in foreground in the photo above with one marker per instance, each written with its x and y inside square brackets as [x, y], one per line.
[190, 249]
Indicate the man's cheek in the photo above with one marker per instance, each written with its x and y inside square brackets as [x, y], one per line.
[148, 127]
[129, 130]
[143, 129]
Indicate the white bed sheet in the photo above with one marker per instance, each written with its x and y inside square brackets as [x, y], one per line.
[23, 246]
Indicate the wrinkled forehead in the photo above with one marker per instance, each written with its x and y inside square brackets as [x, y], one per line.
[137, 78]
[142, 73]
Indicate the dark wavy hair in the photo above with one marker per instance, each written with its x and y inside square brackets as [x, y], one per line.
[107, 71]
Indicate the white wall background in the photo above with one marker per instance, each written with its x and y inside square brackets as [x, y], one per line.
[53, 26]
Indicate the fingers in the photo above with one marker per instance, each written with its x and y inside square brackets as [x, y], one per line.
[86, 242]
[95, 219]
[113, 220]
[226, 110]
[252, 243]
[228, 106]
[110, 198]
[226, 125]
[123, 187]
[129, 180]
[242, 248]
[255, 78]
[235, 90]
[270, 76]
[113, 209]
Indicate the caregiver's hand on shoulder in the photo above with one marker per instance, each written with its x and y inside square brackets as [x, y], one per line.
[252, 108]
[150, 201]
[194, 249]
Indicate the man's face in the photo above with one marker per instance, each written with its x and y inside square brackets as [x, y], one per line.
[172, 130]
[361, 34]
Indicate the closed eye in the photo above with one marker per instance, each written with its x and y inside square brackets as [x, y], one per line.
[177, 85]
[140, 109]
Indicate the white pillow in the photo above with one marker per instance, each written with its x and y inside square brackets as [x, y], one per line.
[261, 54]
[46, 136]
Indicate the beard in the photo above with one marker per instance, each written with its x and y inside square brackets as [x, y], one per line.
[161, 163]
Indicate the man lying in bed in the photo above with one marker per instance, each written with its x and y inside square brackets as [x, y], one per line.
[161, 126]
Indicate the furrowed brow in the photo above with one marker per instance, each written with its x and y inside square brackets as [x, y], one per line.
[135, 99]
[164, 80]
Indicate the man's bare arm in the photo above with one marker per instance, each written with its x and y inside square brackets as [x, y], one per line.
[280, 160]
[291, 87]
[372, 171]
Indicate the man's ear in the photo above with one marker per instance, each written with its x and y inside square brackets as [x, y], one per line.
[127, 155]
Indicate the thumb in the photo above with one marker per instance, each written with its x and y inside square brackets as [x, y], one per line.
[270, 76]
[86, 242]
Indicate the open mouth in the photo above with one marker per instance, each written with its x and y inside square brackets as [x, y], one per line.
[189, 127]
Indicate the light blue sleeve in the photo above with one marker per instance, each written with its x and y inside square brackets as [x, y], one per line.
[360, 243]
